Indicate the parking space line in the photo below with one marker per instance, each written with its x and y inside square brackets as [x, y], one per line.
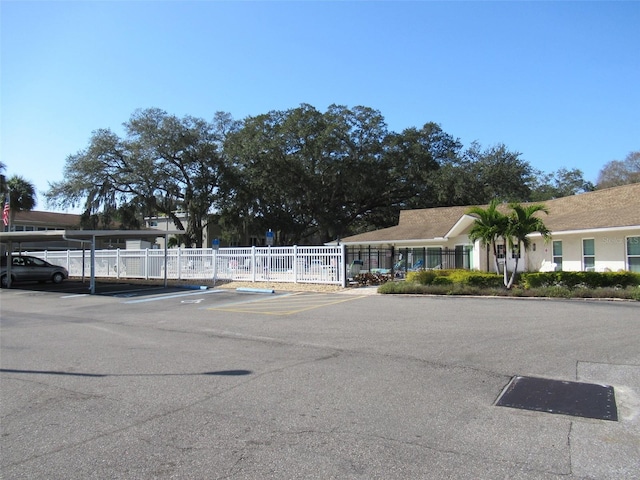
[286, 304]
[177, 295]
[132, 291]
[252, 300]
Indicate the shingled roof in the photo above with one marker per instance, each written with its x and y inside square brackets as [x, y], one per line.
[422, 224]
[607, 208]
[47, 219]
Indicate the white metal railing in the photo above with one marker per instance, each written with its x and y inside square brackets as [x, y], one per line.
[318, 264]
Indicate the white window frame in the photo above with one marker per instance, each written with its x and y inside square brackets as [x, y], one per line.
[466, 248]
[554, 257]
[626, 250]
[584, 256]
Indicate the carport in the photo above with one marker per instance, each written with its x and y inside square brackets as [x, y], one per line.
[85, 237]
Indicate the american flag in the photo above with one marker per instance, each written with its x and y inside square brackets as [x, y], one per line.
[5, 212]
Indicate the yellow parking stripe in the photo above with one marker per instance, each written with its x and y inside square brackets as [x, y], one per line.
[286, 305]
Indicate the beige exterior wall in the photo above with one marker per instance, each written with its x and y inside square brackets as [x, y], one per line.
[539, 251]
[610, 250]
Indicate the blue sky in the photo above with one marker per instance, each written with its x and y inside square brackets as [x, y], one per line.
[557, 81]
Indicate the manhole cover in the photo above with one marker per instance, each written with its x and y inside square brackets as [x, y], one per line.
[579, 399]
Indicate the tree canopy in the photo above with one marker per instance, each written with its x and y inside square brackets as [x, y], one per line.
[490, 226]
[620, 172]
[3, 179]
[164, 164]
[561, 183]
[308, 175]
[22, 196]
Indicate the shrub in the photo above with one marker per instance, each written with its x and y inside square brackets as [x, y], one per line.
[423, 277]
[557, 291]
[546, 284]
[581, 279]
[623, 279]
[445, 273]
[442, 281]
[538, 279]
[403, 287]
[484, 280]
[472, 278]
[571, 279]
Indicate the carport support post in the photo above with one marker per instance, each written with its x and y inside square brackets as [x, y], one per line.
[166, 238]
[343, 266]
[9, 262]
[215, 266]
[92, 282]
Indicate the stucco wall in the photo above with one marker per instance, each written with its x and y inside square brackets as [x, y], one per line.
[610, 250]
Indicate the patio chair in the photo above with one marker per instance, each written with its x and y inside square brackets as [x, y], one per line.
[355, 267]
[417, 266]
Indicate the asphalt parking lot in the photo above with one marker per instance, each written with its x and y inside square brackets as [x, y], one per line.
[145, 382]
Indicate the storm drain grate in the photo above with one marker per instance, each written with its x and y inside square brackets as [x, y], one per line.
[579, 399]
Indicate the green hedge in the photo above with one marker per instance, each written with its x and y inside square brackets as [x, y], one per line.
[629, 293]
[527, 280]
[423, 277]
[580, 279]
[442, 281]
[449, 277]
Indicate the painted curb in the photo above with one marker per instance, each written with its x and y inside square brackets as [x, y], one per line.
[255, 290]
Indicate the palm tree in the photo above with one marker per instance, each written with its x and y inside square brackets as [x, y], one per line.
[521, 223]
[3, 180]
[489, 227]
[22, 196]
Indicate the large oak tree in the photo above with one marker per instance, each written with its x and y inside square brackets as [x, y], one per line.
[164, 164]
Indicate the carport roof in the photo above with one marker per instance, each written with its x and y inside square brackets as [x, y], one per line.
[86, 235]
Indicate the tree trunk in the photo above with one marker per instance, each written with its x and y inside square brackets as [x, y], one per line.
[515, 270]
[505, 273]
[495, 257]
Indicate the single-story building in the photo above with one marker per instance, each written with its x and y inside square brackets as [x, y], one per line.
[36, 221]
[39, 221]
[597, 231]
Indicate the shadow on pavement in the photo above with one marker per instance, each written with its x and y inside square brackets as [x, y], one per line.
[125, 289]
[223, 373]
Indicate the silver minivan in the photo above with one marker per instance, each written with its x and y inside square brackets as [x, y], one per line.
[25, 268]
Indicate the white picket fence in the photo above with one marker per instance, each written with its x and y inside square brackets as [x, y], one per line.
[318, 264]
